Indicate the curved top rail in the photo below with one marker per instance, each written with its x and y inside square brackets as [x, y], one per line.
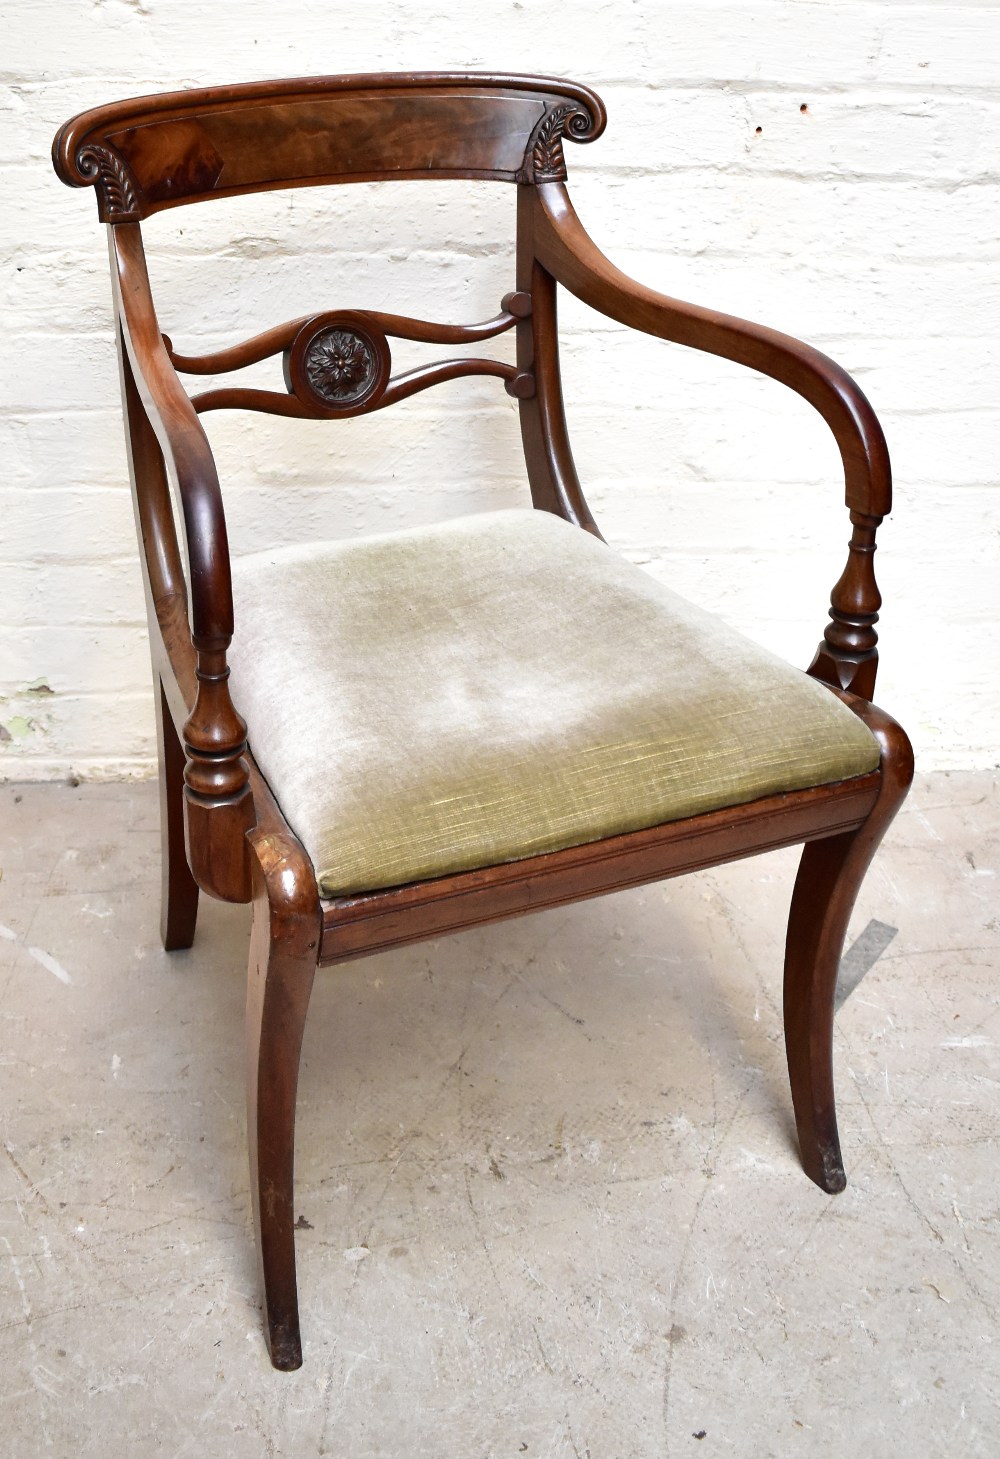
[155, 152]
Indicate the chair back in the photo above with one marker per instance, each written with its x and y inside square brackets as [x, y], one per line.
[157, 152]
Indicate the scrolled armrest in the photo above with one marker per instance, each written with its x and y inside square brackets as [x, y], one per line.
[182, 440]
[847, 657]
[219, 805]
[567, 252]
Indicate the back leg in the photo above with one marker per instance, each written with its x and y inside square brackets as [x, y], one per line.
[178, 890]
[830, 874]
[284, 948]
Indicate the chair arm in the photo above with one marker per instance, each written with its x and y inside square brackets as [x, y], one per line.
[565, 249]
[216, 776]
[182, 440]
[848, 656]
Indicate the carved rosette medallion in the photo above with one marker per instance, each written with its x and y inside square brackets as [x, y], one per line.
[338, 364]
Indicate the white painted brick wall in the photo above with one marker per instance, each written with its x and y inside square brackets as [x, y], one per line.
[866, 223]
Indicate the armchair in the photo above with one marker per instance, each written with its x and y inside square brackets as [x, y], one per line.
[433, 729]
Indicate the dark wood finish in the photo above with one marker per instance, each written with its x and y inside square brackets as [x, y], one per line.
[284, 943]
[395, 326]
[217, 795]
[555, 485]
[830, 874]
[338, 364]
[156, 152]
[358, 925]
[179, 890]
[222, 829]
[367, 386]
[848, 656]
[573, 259]
[305, 406]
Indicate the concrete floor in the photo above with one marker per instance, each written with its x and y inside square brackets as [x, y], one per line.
[549, 1201]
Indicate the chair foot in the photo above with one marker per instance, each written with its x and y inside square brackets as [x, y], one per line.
[832, 1177]
[830, 874]
[284, 1346]
[178, 889]
[821, 905]
[284, 947]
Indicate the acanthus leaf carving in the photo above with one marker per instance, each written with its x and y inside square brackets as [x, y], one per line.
[117, 193]
[544, 161]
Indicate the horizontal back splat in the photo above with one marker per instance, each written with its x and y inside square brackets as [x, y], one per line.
[337, 364]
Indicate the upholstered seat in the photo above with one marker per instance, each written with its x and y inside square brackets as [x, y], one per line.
[502, 685]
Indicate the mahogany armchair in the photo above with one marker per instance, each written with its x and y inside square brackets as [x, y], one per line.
[397, 776]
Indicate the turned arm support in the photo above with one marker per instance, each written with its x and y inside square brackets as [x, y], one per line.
[218, 803]
[847, 656]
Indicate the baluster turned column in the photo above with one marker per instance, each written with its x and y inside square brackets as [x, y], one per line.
[848, 655]
[218, 804]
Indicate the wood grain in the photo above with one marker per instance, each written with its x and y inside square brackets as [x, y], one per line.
[156, 152]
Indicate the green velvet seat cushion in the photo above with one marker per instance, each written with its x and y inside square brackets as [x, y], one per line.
[503, 685]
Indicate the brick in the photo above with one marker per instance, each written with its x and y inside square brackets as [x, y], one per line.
[121, 39]
[64, 372]
[753, 215]
[68, 732]
[31, 276]
[108, 591]
[51, 450]
[71, 657]
[806, 298]
[866, 133]
[225, 295]
[819, 45]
